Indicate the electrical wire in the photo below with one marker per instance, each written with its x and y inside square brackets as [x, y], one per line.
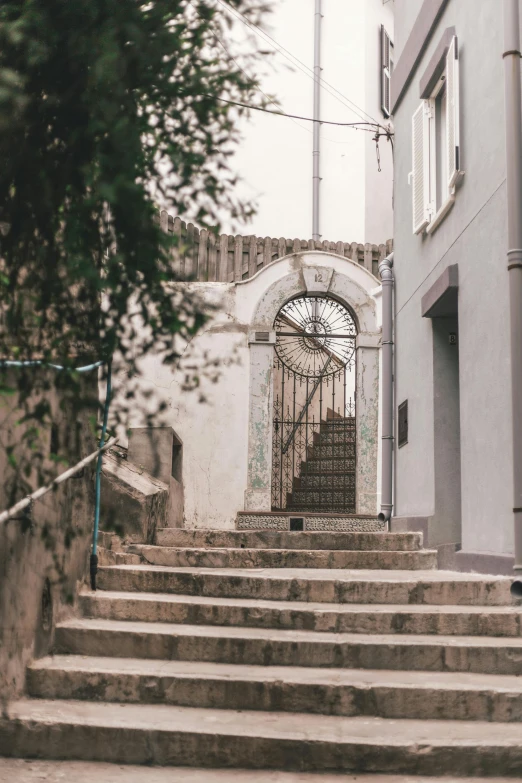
[355, 125]
[309, 72]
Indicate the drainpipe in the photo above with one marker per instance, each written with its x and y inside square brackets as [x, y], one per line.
[316, 179]
[512, 86]
[386, 273]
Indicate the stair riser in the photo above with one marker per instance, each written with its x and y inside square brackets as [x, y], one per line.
[326, 497]
[258, 652]
[264, 558]
[174, 748]
[494, 593]
[332, 451]
[325, 482]
[394, 702]
[338, 436]
[384, 542]
[263, 617]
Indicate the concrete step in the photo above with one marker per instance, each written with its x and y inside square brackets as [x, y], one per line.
[274, 539]
[283, 558]
[347, 692]
[300, 615]
[166, 735]
[320, 585]
[106, 557]
[31, 770]
[273, 647]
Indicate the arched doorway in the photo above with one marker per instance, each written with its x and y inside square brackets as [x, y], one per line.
[259, 303]
[314, 432]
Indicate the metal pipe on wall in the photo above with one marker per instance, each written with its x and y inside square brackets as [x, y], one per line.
[511, 56]
[316, 153]
[386, 273]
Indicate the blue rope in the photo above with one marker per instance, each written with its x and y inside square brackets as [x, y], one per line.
[86, 368]
[36, 362]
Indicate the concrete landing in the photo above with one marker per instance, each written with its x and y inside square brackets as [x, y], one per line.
[16, 771]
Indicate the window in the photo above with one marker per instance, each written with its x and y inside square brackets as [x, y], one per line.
[435, 148]
[386, 70]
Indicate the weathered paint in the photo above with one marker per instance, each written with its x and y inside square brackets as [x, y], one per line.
[227, 439]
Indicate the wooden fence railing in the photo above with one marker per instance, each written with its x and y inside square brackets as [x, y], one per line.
[206, 256]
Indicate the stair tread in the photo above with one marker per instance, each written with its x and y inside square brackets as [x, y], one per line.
[87, 771]
[205, 670]
[254, 550]
[275, 634]
[311, 606]
[288, 726]
[29, 771]
[330, 574]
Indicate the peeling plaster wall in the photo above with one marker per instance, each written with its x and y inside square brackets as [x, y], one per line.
[226, 426]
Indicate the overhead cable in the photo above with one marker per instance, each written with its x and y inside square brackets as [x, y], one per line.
[309, 72]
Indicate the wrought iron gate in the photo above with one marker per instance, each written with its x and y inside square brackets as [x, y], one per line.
[313, 441]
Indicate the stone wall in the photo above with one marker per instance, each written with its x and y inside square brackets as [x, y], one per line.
[206, 256]
[42, 561]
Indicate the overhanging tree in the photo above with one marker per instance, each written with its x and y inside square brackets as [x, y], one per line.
[108, 107]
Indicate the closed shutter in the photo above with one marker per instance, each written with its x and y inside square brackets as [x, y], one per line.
[385, 72]
[420, 169]
[452, 125]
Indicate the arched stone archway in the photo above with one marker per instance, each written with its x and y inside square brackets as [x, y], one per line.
[258, 303]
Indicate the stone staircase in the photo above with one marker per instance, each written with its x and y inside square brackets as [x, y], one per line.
[312, 652]
[326, 481]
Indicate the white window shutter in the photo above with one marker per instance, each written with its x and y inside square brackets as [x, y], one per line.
[452, 125]
[420, 169]
[385, 72]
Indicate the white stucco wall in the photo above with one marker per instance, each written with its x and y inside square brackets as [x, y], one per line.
[215, 432]
[275, 156]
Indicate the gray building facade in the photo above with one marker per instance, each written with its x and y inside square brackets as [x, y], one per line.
[453, 412]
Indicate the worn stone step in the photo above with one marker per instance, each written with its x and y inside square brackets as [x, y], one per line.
[166, 735]
[36, 770]
[283, 558]
[321, 585]
[299, 615]
[274, 647]
[274, 539]
[31, 770]
[348, 692]
[106, 557]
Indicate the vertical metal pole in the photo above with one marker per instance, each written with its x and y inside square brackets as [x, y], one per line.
[511, 57]
[385, 270]
[94, 553]
[316, 178]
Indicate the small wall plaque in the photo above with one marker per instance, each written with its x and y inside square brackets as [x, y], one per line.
[403, 423]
